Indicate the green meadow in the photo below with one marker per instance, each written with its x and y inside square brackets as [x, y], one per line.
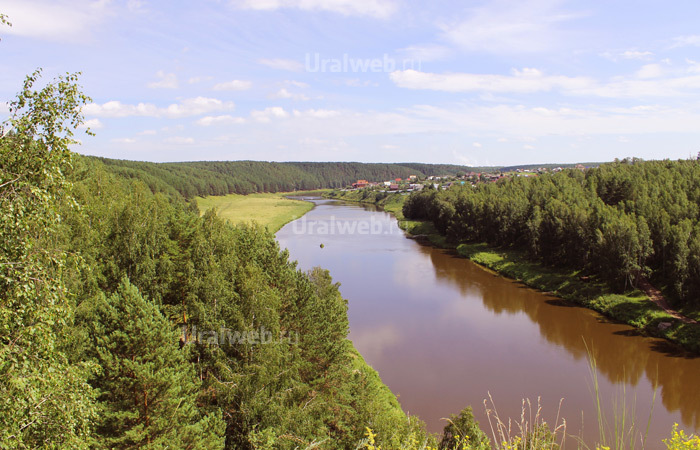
[269, 210]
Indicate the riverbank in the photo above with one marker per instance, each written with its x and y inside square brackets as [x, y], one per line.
[633, 307]
[272, 211]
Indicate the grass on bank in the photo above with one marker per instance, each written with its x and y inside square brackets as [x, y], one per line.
[632, 307]
[269, 210]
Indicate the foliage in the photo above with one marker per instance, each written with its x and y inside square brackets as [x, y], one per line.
[148, 390]
[43, 397]
[464, 426]
[618, 222]
[680, 441]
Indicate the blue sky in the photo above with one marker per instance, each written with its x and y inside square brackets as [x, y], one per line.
[470, 82]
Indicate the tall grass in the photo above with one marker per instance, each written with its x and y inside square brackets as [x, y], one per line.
[530, 432]
[617, 430]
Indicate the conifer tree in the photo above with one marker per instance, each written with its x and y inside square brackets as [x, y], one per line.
[148, 391]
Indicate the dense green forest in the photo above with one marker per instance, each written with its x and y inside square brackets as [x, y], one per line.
[127, 320]
[619, 222]
[192, 179]
[203, 178]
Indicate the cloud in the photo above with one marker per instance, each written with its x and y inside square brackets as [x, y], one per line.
[356, 82]
[633, 54]
[55, 20]
[284, 93]
[650, 81]
[477, 145]
[650, 71]
[233, 85]
[93, 124]
[188, 107]
[627, 54]
[522, 81]
[268, 113]
[165, 81]
[282, 64]
[510, 26]
[199, 79]
[686, 41]
[124, 141]
[317, 113]
[372, 8]
[425, 52]
[299, 84]
[220, 120]
[179, 140]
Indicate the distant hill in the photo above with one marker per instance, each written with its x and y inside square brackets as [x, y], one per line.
[191, 179]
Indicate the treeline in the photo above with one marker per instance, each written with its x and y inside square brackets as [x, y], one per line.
[127, 320]
[192, 179]
[620, 222]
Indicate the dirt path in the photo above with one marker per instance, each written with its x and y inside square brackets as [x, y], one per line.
[658, 298]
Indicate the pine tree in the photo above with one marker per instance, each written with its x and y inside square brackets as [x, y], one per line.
[148, 389]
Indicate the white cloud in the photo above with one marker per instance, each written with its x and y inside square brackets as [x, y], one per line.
[686, 41]
[390, 147]
[188, 107]
[649, 81]
[317, 113]
[147, 133]
[633, 54]
[526, 80]
[124, 141]
[372, 8]
[282, 64]
[55, 20]
[268, 113]
[356, 82]
[93, 124]
[299, 84]
[233, 85]
[199, 79]
[528, 147]
[477, 145]
[220, 120]
[650, 71]
[284, 93]
[165, 81]
[425, 53]
[511, 26]
[179, 140]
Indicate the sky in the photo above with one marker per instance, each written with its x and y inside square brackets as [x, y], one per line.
[469, 82]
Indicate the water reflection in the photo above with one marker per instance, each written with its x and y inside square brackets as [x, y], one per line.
[442, 332]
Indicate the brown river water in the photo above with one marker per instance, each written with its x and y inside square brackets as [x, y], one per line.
[443, 333]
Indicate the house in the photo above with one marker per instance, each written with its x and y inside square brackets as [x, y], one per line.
[394, 187]
[412, 177]
[387, 183]
[398, 180]
[360, 184]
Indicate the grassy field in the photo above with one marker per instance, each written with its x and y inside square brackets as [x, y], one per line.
[270, 210]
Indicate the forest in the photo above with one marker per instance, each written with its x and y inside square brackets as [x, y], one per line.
[127, 320]
[620, 222]
[203, 178]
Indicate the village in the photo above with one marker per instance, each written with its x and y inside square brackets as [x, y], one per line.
[416, 183]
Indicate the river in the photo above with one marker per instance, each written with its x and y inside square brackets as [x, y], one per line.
[443, 333]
